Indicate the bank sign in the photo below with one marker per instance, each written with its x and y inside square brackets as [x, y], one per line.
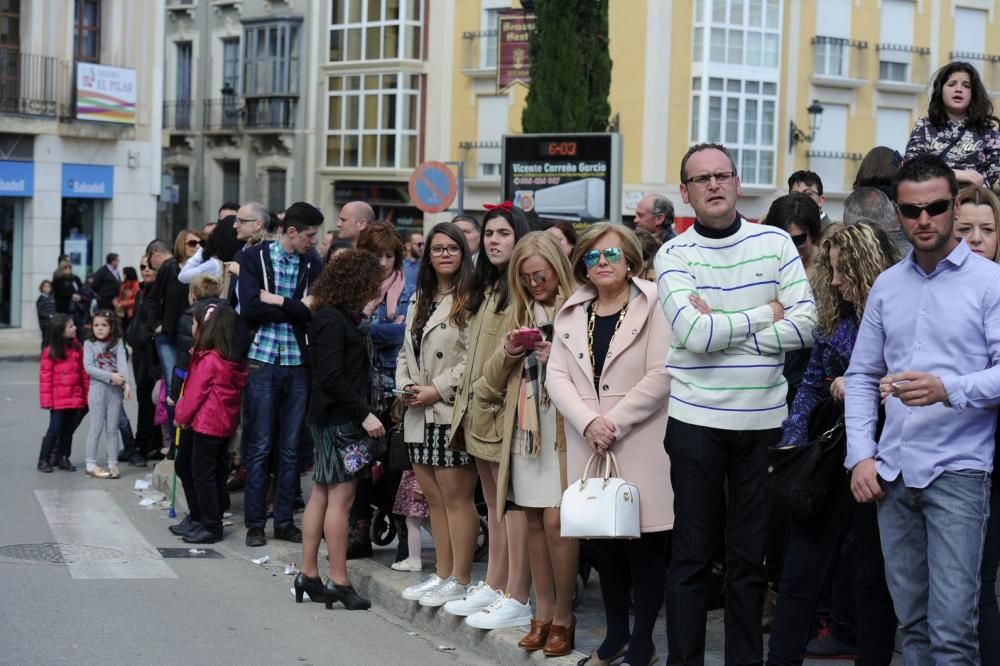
[105, 94]
[88, 181]
[575, 177]
[17, 179]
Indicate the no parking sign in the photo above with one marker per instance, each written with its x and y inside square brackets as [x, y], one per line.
[433, 187]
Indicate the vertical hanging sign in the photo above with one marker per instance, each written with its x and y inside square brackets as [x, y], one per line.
[514, 30]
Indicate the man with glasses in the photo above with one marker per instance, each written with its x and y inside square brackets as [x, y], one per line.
[929, 347]
[737, 298]
[810, 184]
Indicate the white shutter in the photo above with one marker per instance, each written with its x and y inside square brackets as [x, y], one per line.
[892, 128]
[492, 124]
[897, 28]
[833, 18]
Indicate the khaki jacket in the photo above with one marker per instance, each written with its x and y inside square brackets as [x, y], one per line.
[442, 360]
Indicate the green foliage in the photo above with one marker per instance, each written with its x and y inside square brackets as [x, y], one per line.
[570, 68]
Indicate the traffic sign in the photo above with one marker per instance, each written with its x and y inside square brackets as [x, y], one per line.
[433, 187]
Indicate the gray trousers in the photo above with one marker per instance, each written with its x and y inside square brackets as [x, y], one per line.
[105, 403]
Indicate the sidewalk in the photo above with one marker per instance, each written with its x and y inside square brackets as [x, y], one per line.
[19, 345]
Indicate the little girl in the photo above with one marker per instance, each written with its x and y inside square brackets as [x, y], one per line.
[210, 406]
[410, 502]
[62, 389]
[105, 360]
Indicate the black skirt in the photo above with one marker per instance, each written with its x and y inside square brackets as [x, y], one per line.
[328, 467]
[434, 449]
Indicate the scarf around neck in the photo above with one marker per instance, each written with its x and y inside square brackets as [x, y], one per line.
[390, 290]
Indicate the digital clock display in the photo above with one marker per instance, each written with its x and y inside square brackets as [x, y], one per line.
[557, 149]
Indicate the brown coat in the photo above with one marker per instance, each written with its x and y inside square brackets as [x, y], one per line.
[442, 360]
[635, 387]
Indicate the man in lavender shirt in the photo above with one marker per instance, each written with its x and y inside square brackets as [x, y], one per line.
[929, 345]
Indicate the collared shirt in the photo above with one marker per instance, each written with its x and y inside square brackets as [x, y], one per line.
[946, 323]
[275, 344]
[114, 271]
[411, 270]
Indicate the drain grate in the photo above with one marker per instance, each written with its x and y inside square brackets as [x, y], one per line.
[58, 553]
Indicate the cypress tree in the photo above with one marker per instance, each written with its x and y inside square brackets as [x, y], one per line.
[570, 68]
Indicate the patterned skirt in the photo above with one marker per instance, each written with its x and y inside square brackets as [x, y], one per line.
[328, 465]
[434, 449]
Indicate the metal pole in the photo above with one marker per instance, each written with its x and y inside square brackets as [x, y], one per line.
[461, 188]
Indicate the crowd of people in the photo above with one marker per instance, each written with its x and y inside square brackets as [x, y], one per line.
[503, 354]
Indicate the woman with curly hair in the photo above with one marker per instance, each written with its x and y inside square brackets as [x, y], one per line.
[960, 127]
[341, 420]
[849, 262]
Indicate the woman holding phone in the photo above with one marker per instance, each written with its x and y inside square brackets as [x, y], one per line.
[533, 452]
[429, 367]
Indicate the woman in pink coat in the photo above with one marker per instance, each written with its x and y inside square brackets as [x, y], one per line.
[606, 376]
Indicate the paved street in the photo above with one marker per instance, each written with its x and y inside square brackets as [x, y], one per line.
[119, 602]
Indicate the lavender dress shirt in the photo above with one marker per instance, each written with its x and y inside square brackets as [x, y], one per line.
[946, 323]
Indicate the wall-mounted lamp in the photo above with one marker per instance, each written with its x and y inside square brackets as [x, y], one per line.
[133, 159]
[815, 120]
[230, 105]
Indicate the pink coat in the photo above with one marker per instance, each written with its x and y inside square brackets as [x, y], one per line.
[635, 388]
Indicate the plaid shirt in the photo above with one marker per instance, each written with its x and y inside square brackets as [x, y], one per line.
[275, 344]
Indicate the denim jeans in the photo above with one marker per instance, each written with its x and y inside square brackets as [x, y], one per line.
[720, 506]
[166, 351]
[275, 402]
[933, 540]
[989, 613]
[58, 440]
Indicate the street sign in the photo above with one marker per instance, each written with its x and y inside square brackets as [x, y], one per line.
[433, 187]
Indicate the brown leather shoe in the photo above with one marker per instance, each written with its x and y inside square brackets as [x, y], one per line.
[561, 640]
[535, 639]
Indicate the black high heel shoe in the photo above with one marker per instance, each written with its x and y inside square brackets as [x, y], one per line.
[345, 594]
[313, 586]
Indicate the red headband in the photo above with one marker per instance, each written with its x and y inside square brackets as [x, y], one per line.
[505, 205]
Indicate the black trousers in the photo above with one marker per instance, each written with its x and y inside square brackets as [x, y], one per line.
[183, 467]
[720, 505]
[813, 548]
[631, 570]
[209, 468]
[147, 435]
[58, 440]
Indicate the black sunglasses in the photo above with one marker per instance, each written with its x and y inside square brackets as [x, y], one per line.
[143, 267]
[934, 208]
[193, 243]
[800, 239]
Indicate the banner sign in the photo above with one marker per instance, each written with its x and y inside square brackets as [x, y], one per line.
[17, 179]
[88, 181]
[105, 94]
[513, 34]
[564, 176]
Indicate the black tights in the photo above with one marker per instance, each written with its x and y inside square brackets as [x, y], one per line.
[631, 569]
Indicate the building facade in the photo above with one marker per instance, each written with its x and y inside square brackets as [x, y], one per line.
[79, 142]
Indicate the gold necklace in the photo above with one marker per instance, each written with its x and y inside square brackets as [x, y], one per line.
[590, 331]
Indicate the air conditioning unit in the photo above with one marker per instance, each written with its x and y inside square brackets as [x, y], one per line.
[583, 199]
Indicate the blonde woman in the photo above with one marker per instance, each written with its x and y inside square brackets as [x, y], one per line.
[978, 213]
[533, 449]
[606, 376]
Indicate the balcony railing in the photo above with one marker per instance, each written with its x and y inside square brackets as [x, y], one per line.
[479, 50]
[29, 84]
[223, 114]
[838, 58]
[903, 64]
[270, 112]
[987, 64]
[178, 115]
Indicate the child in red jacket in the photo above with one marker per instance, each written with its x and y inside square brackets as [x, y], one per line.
[210, 406]
[62, 389]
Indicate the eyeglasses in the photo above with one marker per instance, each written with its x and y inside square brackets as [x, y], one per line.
[721, 177]
[441, 250]
[193, 243]
[245, 220]
[538, 278]
[800, 239]
[934, 208]
[612, 254]
[143, 267]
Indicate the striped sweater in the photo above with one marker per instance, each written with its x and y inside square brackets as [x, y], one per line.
[726, 367]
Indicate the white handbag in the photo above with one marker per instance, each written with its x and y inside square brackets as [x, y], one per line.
[605, 507]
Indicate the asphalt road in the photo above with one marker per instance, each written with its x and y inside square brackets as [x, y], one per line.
[117, 601]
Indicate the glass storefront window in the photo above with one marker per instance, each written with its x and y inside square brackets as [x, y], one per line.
[10, 262]
[82, 234]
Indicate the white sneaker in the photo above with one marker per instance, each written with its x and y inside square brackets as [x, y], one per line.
[449, 590]
[478, 597]
[414, 592]
[408, 565]
[504, 612]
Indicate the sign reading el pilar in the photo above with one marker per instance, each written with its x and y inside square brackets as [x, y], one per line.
[575, 177]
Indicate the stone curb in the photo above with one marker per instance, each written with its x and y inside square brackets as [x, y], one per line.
[384, 586]
[18, 358]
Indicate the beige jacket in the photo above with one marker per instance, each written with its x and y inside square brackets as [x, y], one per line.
[442, 360]
[635, 387]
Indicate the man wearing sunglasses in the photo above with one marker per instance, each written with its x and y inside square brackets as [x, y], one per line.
[737, 298]
[929, 349]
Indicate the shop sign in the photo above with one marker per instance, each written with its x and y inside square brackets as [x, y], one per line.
[17, 179]
[514, 28]
[105, 94]
[88, 181]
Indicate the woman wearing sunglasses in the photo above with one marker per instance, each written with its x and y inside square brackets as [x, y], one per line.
[533, 450]
[186, 244]
[799, 215]
[606, 376]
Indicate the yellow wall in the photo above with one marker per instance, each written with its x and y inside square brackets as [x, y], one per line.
[627, 44]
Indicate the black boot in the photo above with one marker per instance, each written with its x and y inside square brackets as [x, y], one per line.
[184, 527]
[65, 465]
[311, 586]
[44, 466]
[359, 544]
[402, 545]
[345, 594]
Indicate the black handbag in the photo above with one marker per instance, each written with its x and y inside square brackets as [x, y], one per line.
[802, 478]
[399, 452]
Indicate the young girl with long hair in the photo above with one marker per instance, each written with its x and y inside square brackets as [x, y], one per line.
[533, 454]
[210, 407]
[475, 426]
[960, 127]
[63, 385]
[106, 362]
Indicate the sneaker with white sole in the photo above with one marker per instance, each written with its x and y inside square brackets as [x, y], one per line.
[408, 565]
[504, 612]
[476, 599]
[449, 590]
[414, 592]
